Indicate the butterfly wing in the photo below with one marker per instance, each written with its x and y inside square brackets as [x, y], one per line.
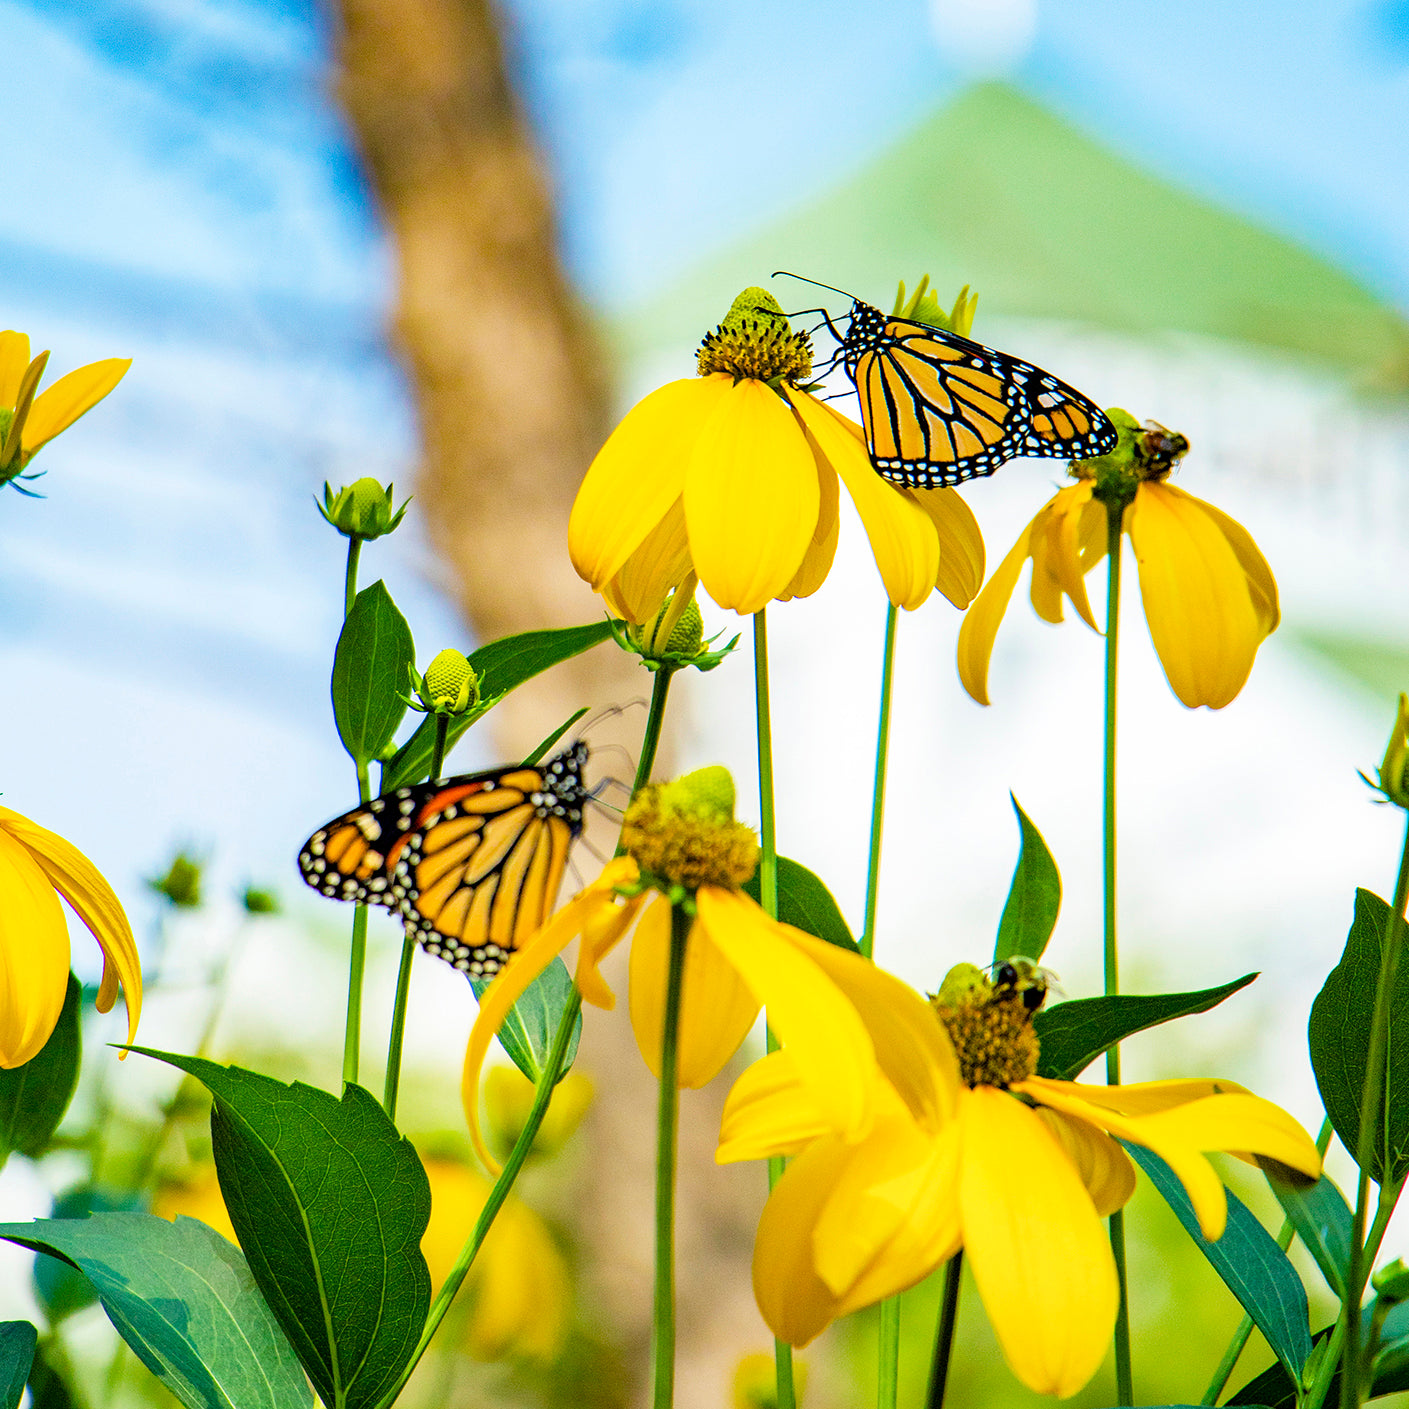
[472, 864]
[939, 409]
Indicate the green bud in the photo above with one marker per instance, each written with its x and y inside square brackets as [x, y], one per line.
[706, 793]
[755, 341]
[674, 637]
[683, 834]
[362, 510]
[1394, 783]
[923, 306]
[258, 901]
[753, 304]
[449, 686]
[181, 884]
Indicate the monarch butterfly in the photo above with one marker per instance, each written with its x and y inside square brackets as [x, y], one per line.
[472, 864]
[939, 409]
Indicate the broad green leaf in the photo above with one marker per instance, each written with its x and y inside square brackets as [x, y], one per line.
[1034, 897]
[182, 1297]
[34, 1097]
[805, 903]
[1339, 1037]
[1323, 1221]
[1074, 1034]
[329, 1203]
[502, 666]
[17, 1342]
[532, 1023]
[1274, 1389]
[47, 1388]
[369, 673]
[1248, 1259]
[58, 1286]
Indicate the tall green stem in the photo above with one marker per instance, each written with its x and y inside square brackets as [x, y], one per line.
[349, 590]
[1372, 1130]
[356, 964]
[1125, 1388]
[768, 897]
[397, 1039]
[667, 1122]
[944, 1335]
[655, 720]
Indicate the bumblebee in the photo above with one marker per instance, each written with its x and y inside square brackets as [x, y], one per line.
[1023, 980]
[1158, 449]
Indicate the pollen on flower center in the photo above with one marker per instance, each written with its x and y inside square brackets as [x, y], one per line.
[755, 341]
[684, 833]
[992, 1036]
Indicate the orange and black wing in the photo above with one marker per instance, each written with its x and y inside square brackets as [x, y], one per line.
[472, 864]
[939, 409]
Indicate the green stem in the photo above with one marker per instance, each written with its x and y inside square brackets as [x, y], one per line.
[878, 787]
[667, 1122]
[1371, 1126]
[655, 720]
[408, 950]
[786, 1394]
[1125, 1387]
[497, 1195]
[349, 591]
[944, 1336]
[356, 965]
[1241, 1336]
[888, 1351]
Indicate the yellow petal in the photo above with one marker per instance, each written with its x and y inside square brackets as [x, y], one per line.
[979, 628]
[14, 361]
[80, 882]
[902, 536]
[768, 1112]
[1261, 583]
[1140, 1097]
[63, 403]
[911, 1048]
[752, 498]
[1037, 1249]
[961, 552]
[817, 561]
[1104, 1167]
[661, 562]
[1057, 557]
[601, 934]
[717, 1011]
[1197, 599]
[812, 1017]
[521, 1291]
[637, 475]
[34, 954]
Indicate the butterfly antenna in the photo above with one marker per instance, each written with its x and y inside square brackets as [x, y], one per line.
[816, 283]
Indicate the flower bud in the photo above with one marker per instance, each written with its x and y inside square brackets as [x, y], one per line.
[755, 340]
[361, 510]
[259, 901]
[684, 833]
[923, 306]
[181, 884]
[1393, 780]
[674, 637]
[449, 686]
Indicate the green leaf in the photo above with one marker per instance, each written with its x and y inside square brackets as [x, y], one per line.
[58, 1286]
[1323, 1221]
[541, 752]
[805, 903]
[17, 1342]
[1248, 1259]
[34, 1097]
[1275, 1390]
[1034, 897]
[182, 1297]
[532, 1023]
[369, 673]
[329, 1203]
[1074, 1034]
[502, 666]
[1339, 1037]
[47, 1388]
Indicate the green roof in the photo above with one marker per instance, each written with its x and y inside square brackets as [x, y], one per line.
[995, 192]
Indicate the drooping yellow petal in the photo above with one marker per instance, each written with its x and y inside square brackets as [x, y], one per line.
[1197, 599]
[1037, 1249]
[14, 360]
[527, 963]
[817, 561]
[911, 1047]
[57, 408]
[768, 1112]
[812, 1017]
[602, 932]
[1104, 1167]
[961, 551]
[34, 954]
[717, 1011]
[902, 536]
[1056, 553]
[752, 498]
[659, 563]
[80, 882]
[1139, 1097]
[979, 628]
[637, 475]
[1261, 583]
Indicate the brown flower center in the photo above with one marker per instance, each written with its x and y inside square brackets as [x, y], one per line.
[992, 1036]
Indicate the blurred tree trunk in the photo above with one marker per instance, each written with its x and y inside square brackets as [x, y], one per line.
[508, 383]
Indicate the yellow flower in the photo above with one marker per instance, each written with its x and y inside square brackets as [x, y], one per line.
[519, 1284]
[196, 1197]
[34, 942]
[1018, 1175]
[508, 1098]
[27, 421]
[733, 475]
[1210, 598]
